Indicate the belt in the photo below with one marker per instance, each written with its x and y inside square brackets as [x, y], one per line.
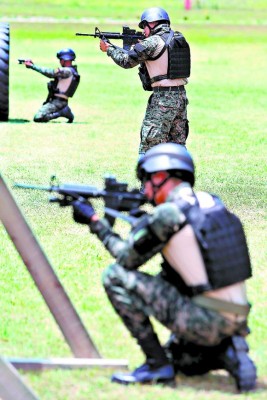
[167, 88]
[59, 98]
[221, 305]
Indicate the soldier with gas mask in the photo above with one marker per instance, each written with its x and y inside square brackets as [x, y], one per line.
[200, 293]
[64, 84]
[164, 66]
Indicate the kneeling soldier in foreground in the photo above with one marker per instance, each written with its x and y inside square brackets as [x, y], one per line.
[200, 293]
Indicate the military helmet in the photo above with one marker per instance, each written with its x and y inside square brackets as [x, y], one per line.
[170, 157]
[66, 54]
[153, 14]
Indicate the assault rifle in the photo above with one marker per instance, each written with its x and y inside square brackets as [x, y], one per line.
[128, 36]
[115, 194]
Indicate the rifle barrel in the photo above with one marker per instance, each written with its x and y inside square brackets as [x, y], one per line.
[85, 34]
[36, 187]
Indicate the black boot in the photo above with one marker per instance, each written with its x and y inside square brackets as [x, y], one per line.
[157, 368]
[230, 354]
[234, 358]
[65, 112]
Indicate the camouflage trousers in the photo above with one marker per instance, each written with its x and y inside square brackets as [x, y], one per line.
[136, 296]
[52, 106]
[165, 119]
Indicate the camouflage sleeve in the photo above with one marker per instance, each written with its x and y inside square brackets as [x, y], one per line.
[53, 73]
[166, 221]
[140, 52]
[148, 237]
[111, 240]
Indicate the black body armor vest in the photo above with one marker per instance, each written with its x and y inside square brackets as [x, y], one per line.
[179, 57]
[74, 82]
[222, 243]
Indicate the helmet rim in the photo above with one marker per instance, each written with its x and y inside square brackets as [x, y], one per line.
[66, 54]
[169, 157]
[153, 14]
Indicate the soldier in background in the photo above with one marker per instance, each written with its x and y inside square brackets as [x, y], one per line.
[164, 60]
[64, 84]
[200, 293]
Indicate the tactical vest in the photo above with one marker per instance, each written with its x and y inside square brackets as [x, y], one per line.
[75, 80]
[222, 243]
[144, 77]
[179, 58]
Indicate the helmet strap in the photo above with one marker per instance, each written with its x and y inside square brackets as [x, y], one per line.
[154, 27]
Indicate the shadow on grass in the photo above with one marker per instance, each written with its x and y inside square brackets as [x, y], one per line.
[215, 381]
[72, 123]
[18, 121]
[25, 121]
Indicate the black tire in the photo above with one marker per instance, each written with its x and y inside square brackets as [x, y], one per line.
[4, 71]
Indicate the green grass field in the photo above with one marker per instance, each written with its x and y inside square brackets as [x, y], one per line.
[227, 113]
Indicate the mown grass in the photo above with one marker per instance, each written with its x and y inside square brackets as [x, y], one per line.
[227, 114]
[203, 11]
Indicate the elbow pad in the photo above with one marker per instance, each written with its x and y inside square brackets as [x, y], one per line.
[136, 52]
[144, 239]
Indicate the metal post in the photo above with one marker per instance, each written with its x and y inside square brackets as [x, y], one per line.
[12, 386]
[40, 364]
[44, 276]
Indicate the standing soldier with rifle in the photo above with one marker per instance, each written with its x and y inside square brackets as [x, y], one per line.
[164, 59]
[64, 84]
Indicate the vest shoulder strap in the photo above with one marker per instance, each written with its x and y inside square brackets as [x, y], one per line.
[167, 42]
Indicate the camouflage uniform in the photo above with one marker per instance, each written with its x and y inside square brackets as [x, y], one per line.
[136, 295]
[166, 114]
[53, 104]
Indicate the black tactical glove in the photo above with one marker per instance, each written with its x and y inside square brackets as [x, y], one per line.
[83, 212]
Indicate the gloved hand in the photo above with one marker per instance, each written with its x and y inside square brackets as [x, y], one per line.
[83, 212]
